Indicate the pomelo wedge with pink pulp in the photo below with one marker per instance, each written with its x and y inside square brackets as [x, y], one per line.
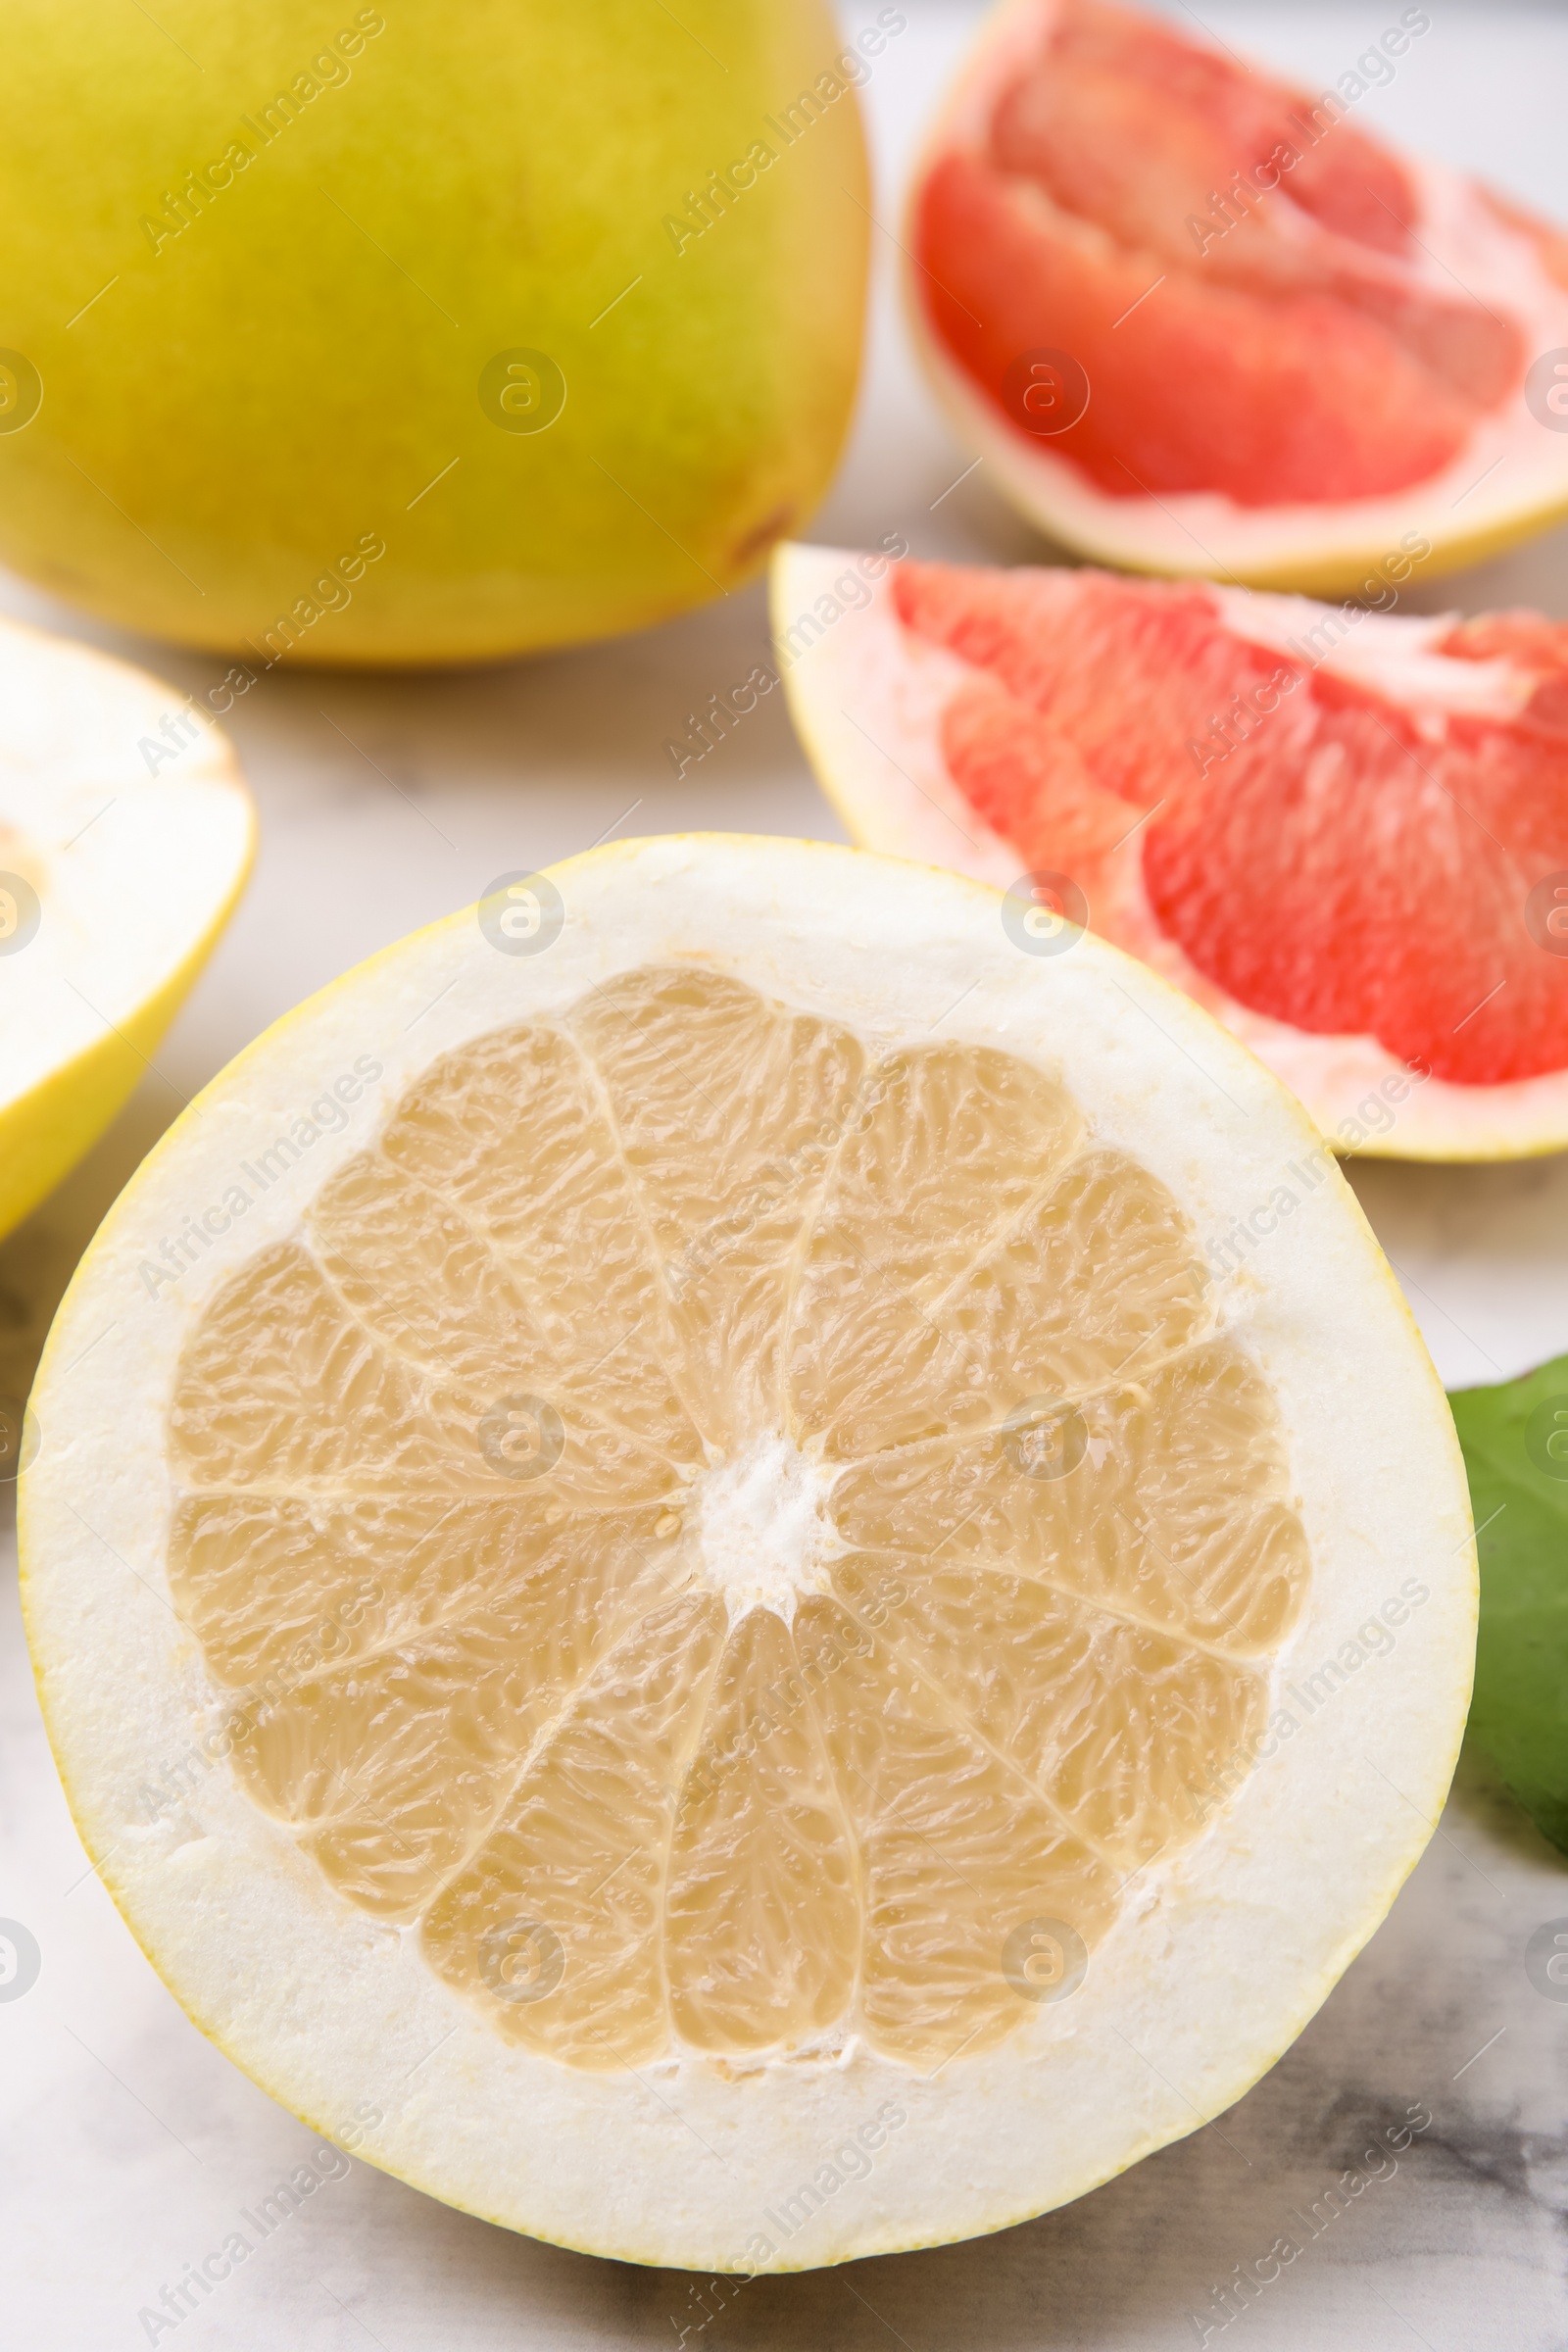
[1200, 321]
[1344, 833]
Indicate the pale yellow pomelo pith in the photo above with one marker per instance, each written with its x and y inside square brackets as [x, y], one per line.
[712, 1584]
[125, 822]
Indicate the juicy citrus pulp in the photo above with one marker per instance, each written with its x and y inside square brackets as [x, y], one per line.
[671, 1372]
[1344, 832]
[1146, 271]
[720, 1559]
[1303, 353]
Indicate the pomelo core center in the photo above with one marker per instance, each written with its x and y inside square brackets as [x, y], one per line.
[763, 1528]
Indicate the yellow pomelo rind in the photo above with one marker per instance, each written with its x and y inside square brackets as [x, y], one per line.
[139, 874]
[1214, 1967]
[700, 334]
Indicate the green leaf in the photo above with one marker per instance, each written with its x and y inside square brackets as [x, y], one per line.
[1515, 1441]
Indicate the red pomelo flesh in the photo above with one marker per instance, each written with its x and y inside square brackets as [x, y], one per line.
[1352, 866]
[1267, 305]
[1296, 355]
[1345, 833]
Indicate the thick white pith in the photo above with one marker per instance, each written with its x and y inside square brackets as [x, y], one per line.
[1214, 1967]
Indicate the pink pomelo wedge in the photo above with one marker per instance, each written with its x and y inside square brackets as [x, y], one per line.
[1199, 321]
[1344, 833]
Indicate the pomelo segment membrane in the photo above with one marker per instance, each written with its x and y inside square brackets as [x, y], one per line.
[1204, 323]
[1346, 833]
[693, 1653]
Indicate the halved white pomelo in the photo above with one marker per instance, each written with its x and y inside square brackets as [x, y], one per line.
[1343, 833]
[1200, 321]
[697, 1616]
[126, 836]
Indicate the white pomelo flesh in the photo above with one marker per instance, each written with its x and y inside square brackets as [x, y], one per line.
[1509, 480]
[124, 816]
[867, 696]
[872, 1204]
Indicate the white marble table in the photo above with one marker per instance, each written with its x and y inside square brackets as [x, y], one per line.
[129, 2144]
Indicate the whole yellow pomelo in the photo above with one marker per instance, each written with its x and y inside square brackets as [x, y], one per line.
[421, 334]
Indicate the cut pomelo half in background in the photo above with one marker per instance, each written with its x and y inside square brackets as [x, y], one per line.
[1200, 321]
[1344, 833]
[126, 836]
[700, 1624]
